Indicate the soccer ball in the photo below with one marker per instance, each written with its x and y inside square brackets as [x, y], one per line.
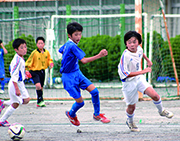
[16, 131]
[58, 80]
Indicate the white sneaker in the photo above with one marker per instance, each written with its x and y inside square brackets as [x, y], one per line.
[167, 114]
[132, 126]
[1, 91]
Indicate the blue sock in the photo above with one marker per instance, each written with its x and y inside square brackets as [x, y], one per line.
[2, 84]
[96, 101]
[75, 107]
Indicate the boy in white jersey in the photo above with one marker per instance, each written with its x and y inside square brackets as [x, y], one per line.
[16, 88]
[131, 75]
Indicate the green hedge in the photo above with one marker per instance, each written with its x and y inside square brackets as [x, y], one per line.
[106, 68]
[103, 69]
[161, 57]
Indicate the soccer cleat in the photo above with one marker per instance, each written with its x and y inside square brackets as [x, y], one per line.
[5, 123]
[167, 114]
[41, 104]
[73, 120]
[102, 118]
[132, 126]
[1, 105]
[1, 91]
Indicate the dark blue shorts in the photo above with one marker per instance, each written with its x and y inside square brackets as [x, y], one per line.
[75, 81]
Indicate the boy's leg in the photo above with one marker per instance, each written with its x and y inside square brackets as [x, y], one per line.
[37, 79]
[40, 99]
[75, 107]
[158, 103]
[95, 100]
[2, 84]
[96, 103]
[6, 115]
[1, 105]
[72, 113]
[130, 115]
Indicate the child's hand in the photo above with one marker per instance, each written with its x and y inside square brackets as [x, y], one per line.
[148, 69]
[27, 75]
[103, 53]
[149, 64]
[51, 65]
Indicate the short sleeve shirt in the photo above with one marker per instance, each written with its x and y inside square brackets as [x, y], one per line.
[17, 68]
[130, 62]
[71, 53]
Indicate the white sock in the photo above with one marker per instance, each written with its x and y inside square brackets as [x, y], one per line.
[7, 103]
[130, 117]
[158, 105]
[9, 111]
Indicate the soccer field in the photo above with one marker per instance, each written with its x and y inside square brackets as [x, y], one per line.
[51, 124]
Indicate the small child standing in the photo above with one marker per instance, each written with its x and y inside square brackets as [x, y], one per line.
[2, 69]
[132, 78]
[17, 92]
[38, 61]
[73, 79]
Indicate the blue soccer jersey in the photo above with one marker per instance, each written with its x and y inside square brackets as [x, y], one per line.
[1, 58]
[2, 71]
[70, 55]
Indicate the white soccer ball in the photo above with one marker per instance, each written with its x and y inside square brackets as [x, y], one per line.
[16, 131]
[58, 80]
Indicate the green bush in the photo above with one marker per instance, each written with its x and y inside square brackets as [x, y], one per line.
[103, 69]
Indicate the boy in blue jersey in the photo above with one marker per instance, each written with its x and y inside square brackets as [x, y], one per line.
[72, 77]
[2, 70]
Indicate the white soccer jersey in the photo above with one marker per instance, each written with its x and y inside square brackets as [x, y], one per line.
[17, 68]
[130, 62]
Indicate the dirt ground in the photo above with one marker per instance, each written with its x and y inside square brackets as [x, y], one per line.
[51, 124]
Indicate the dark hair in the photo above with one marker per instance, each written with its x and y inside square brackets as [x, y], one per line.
[40, 38]
[0, 41]
[74, 26]
[130, 34]
[17, 42]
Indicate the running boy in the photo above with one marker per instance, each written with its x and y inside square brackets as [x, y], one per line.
[72, 77]
[131, 75]
[38, 61]
[16, 88]
[2, 70]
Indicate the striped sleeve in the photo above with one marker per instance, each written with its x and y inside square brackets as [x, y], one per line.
[15, 69]
[123, 67]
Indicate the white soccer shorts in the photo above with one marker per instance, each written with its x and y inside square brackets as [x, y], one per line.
[12, 93]
[130, 89]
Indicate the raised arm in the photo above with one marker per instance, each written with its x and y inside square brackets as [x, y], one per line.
[5, 50]
[149, 63]
[102, 53]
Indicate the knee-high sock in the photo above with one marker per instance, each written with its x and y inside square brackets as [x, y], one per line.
[130, 117]
[2, 84]
[39, 96]
[96, 101]
[158, 105]
[7, 113]
[75, 107]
